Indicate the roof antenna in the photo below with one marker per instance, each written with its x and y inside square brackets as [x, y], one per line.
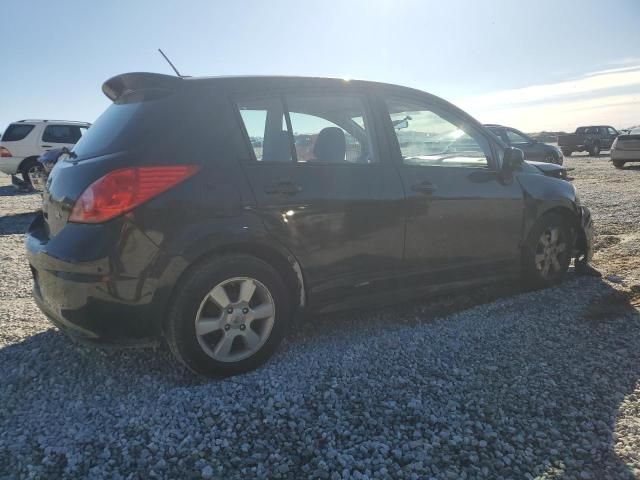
[169, 62]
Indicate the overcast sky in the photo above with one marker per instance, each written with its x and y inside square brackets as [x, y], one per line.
[543, 64]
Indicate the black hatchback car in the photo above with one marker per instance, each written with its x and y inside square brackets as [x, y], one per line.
[532, 148]
[210, 210]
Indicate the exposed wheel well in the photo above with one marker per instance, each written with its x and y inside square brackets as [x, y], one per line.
[25, 162]
[287, 267]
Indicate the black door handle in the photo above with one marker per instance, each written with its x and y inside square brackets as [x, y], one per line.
[283, 188]
[426, 188]
[46, 146]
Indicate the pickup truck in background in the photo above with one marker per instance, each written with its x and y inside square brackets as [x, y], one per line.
[591, 139]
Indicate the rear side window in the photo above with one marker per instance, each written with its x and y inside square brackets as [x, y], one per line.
[61, 134]
[317, 128]
[17, 131]
[266, 127]
[330, 129]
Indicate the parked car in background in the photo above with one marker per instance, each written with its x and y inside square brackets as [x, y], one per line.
[184, 212]
[593, 139]
[38, 174]
[626, 148]
[532, 149]
[24, 141]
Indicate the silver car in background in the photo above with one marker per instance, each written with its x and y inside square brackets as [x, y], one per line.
[626, 148]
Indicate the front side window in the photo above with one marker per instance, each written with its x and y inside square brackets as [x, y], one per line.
[516, 138]
[16, 132]
[434, 138]
[61, 134]
[612, 132]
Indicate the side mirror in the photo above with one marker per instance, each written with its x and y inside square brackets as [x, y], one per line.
[512, 160]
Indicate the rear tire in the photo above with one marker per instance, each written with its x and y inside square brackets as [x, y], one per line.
[618, 163]
[547, 252]
[566, 153]
[25, 167]
[216, 329]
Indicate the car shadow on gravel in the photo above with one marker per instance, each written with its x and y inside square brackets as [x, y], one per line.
[11, 191]
[16, 223]
[569, 424]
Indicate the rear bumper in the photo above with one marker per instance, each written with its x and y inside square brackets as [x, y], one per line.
[9, 165]
[106, 299]
[625, 155]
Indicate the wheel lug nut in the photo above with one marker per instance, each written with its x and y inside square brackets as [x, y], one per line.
[245, 310]
[242, 327]
[227, 326]
[229, 310]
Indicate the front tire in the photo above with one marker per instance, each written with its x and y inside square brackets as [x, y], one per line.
[566, 153]
[618, 163]
[228, 316]
[547, 252]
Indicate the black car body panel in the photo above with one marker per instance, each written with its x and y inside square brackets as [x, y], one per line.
[345, 234]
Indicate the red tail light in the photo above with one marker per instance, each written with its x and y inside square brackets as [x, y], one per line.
[123, 190]
[4, 153]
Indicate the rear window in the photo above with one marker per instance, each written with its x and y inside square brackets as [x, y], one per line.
[106, 132]
[149, 122]
[17, 131]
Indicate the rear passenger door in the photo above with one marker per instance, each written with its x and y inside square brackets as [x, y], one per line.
[324, 189]
[463, 221]
[59, 136]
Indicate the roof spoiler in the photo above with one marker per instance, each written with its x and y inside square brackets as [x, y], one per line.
[126, 83]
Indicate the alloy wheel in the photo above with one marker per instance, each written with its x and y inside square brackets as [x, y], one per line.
[235, 319]
[549, 251]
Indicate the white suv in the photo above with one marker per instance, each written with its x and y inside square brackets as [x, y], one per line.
[24, 141]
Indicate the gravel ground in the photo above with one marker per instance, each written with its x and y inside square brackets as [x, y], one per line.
[533, 385]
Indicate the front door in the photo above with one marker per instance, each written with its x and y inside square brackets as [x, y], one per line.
[463, 221]
[611, 135]
[324, 191]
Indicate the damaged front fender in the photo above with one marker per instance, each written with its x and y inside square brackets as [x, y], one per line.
[544, 194]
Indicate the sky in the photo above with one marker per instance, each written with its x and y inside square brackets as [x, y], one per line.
[539, 65]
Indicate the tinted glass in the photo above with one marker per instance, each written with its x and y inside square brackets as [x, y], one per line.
[16, 131]
[427, 138]
[106, 129]
[611, 131]
[325, 129]
[515, 138]
[61, 134]
[330, 129]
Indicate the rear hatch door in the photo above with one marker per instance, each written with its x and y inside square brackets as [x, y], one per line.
[137, 129]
